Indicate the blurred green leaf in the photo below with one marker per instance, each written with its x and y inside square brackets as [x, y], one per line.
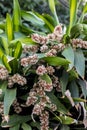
[5, 44]
[53, 10]
[14, 65]
[46, 78]
[64, 81]
[79, 62]
[33, 18]
[74, 89]
[68, 53]
[10, 96]
[18, 50]
[83, 85]
[56, 61]
[26, 126]
[15, 120]
[5, 62]
[73, 13]
[16, 127]
[64, 127]
[66, 120]
[84, 11]
[16, 15]
[60, 107]
[9, 28]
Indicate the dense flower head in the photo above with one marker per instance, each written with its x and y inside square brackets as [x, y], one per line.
[41, 70]
[16, 78]
[3, 73]
[30, 60]
[79, 43]
[44, 119]
[39, 39]
[30, 48]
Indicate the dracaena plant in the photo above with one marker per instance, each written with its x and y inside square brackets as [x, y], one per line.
[43, 70]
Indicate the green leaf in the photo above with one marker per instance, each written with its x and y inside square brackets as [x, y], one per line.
[56, 61]
[73, 12]
[53, 10]
[79, 62]
[4, 44]
[16, 127]
[15, 120]
[5, 62]
[84, 11]
[18, 50]
[64, 127]
[66, 120]
[26, 126]
[48, 24]
[14, 65]
[1, 53]
[60, 107]
[64, 81]
[9, 28]
[73, 74]
[74, 89]
[10, 96]
[31, 17]
[46, 78]
[23, 39]
[3, 85]
[83, 85]
[68, 53]
[16, 15]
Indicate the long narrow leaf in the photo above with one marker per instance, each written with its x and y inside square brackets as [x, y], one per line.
[10, 96]
[53, 10]
[33, 18]
[73, 12]
[16, 15]
[9, 28]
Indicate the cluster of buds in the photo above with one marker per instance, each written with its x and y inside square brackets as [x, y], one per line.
[44, 119]
[3, 73]
[41, 70]
[45, 85]
[16, 78]
[30, 48]
[59, 47]
[39, 39]
[51, 52]
[30, 60]
[79, 43]
[16, 107]
[55, 36]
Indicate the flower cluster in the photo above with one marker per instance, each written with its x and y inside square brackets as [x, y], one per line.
[30, 60]
[16, 78]
[79, 43]
[3, 73]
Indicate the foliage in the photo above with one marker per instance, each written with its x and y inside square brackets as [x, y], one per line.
[43, 70]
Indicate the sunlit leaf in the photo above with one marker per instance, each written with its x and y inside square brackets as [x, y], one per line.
[5, 62]
[73, 12]
[56, 61]
[9, 28]
[33, 18]
[16, 15]
[53, 10]
[18, 50]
